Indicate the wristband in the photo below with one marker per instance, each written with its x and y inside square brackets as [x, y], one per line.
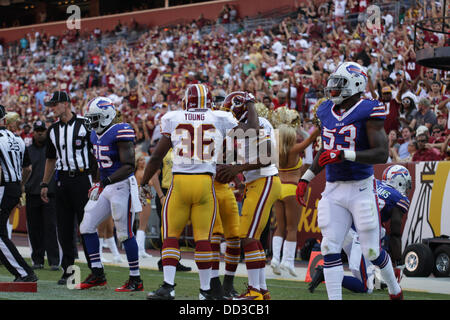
[349, 155]
[44, 185]
[308, 175]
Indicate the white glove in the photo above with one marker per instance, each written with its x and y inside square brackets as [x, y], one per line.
[94, 192]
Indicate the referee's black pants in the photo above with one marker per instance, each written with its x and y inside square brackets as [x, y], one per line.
[41, 225]
[71, 197]
[9, 255]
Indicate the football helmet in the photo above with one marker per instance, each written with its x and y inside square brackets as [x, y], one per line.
[197, 96]
[100, 113]
[348, 79]
[235, 103]
[397, 177]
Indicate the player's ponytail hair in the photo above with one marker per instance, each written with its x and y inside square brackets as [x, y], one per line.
[287, 138]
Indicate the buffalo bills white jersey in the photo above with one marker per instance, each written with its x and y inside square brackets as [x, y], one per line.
[105, 147]
[347, 131]
[197, 137]
[388, 198]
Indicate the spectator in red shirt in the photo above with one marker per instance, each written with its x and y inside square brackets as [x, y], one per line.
[392, 119]
[426, 152]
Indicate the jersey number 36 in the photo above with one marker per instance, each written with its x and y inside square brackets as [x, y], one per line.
[196, 142]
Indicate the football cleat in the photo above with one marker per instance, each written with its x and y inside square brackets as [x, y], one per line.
[131, 285]
[398, 296]
[250, 294]
[92, 281]
[317, 279]
[266, 294]
[206, 295]
[164, 292]
[275, 264]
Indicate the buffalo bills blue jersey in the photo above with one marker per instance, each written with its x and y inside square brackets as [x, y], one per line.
[106, 150]
[347, 131]
[389, 198]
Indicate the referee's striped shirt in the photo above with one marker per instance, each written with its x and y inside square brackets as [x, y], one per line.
[69, 143]
[12, 156]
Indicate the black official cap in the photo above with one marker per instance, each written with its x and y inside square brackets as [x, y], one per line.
[58, 96]
[39, 125]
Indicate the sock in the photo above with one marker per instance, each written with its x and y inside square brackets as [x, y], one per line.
[100, 248]
[111, 243]
[132, 251]
[169, 274]
[354, 284]
[9, 227]
[140, 238]
[215, 250]
[232, 255]
[289, 252]
[202, 257]
[333, 272]
[277, 242]
[262, 270]
[170, 253]
[92, 244]
[252, 262]
[387, 272]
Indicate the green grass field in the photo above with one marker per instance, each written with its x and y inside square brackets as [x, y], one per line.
[186, 289]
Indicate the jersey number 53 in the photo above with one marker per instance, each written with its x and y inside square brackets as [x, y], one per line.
[343, 140]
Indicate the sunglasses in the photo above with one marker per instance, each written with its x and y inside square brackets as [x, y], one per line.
[422, 141]
[437, 131]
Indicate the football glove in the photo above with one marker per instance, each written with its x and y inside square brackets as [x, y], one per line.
[248, 97]
[330, 156]
[95, 191]
[398, 271]
[300, 192]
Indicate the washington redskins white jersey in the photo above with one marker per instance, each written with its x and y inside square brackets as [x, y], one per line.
[197, 137]
[267, 133]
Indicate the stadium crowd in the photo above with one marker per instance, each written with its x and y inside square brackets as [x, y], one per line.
[287, 65]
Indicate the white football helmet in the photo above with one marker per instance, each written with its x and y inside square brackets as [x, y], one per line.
[397, 177]
[348, 79]
[100, 113]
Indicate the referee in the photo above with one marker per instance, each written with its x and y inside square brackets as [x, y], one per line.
[12, 161]
[69, 151]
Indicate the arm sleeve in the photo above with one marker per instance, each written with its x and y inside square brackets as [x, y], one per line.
[26, 159]
[125, 133]
[378, 110]
[166, 125]
[403, 204]
[51, 150]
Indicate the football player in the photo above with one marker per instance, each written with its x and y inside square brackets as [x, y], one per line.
[353, 139]
[393, 201]
[193, 133]
[116, 194]
[262, 189]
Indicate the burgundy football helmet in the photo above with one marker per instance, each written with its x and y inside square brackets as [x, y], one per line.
[197, 96]
[236, 101]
